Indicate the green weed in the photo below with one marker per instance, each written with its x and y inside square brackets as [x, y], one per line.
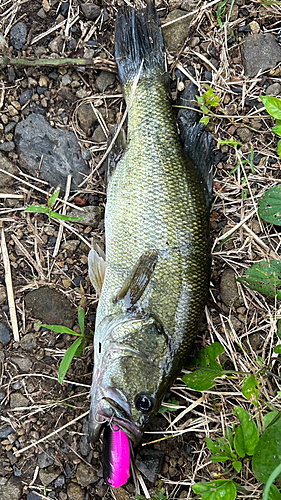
[205, 101]
[51, 201]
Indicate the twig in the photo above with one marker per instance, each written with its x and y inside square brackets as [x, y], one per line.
[67, 191]
[18, 452]
[28, 256]
[9, 285]
[191, 13]
[96, 62]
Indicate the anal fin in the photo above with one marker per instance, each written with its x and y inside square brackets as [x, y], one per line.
[97, 267]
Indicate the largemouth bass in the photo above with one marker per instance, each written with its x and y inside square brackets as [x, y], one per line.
[154, 278]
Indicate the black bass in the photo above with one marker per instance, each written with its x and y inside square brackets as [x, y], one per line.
[153, 280]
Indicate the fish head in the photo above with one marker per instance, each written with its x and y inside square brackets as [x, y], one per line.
[130, 378]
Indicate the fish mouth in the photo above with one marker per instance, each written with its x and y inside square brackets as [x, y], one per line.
[113, 409]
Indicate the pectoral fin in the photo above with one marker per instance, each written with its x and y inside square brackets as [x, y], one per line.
[138, 280]
[97, 267]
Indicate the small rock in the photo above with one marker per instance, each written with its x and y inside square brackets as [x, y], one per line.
[244, 134]
[175, 34]
[255, 340]
[91, 11]
[260, 52]
[7, 166]
[9, 127]
[41, 13]
[61, 153]
[24, 364]
[92, 215]
[228, 288]
[47, 477]
[65, 79]
[3, 294]
[5, 336]
[28, 342]
[86, 475]
[18, 35]
[86, 116]
[256, 227]
[174, 4]
[98, 135]
[25, 96]
[43, 81]
[104, 80]
[273, 89]
[44, 460]
[79, 280]
[195, 40]
[6, 431]
[10, 490]
[66, 282]
[70, 246]
[53, 75]
[121, 494]
[7, 146]
[149, 462]
[17, 400]
[255, 27]
[51, 307]
[60, 481]
[56, 45]
[74, 492]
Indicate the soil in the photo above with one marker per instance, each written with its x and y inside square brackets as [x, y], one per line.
[43, 424]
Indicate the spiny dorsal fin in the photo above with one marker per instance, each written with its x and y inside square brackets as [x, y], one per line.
[97, 267]
[137, 281]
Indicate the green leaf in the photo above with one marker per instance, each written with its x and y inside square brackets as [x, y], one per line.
[272, 105]
[213, 446]
[81, 319]
[237, 465]
[64, 217]
[273, 494]
[277, 130]
[216, 490]
[270, 205]
[267, 455]
[277, 349]
[205, 120]
[68, 357]
[60, 329]
[279, 148]
[265, 277]
[173, 401]
[40, 209]
[202, 379]
[205, 110]
[269, 417]
[230, 142]
[246, 435]
[220, 458]
[279, 329]
[251, 389]
[229, 436]
[81, 348]
[52, 200]
[200, 100]
[206, 357]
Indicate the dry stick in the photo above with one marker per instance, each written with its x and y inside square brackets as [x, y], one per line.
[28, 256]
[271, 253]
[134, 88]
[67, 191]
[39, 189]
[96, 62]
[52, 433]
[13, 196]
[9, 285]
[73, 231]
[191, 13]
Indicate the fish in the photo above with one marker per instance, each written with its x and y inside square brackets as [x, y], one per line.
[153, 278]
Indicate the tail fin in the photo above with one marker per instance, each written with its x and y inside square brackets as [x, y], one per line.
[196, 141]
[138, 37]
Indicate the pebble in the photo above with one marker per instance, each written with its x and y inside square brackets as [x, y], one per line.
[9, 127]
[86, 116]
[255, 27]
[44, 460]
[25, 96]
[33, 496]
[260, 52]
[195, 40]
[53, 75]
[41, 13]
[70, 246]
[17, 400]
[98, 135]
[66, 80]
[66, 282]
[121, 494]
[11, 490]
[91, 11]
[28, 342]
[60, 149]
[47, 477]
[7, 146]
[273, 89]
[24, 364]
[175, 34]
[5, 336]
[3, 294]
[75, 492]
[85, 475]
[64, 8]
[78, 280]
[18, 35]
[92, 215]
[6, 431]
[104, 80]
[244, 134]
[50, 306]
[60, 481]
[228, 288]
[56, 45]
[149, 462]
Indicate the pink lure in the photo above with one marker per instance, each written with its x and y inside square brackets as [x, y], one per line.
[116, 457]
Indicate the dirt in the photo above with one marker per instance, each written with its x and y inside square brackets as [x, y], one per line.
[37, 407]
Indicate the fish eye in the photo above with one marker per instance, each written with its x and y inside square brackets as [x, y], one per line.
[144, 402]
